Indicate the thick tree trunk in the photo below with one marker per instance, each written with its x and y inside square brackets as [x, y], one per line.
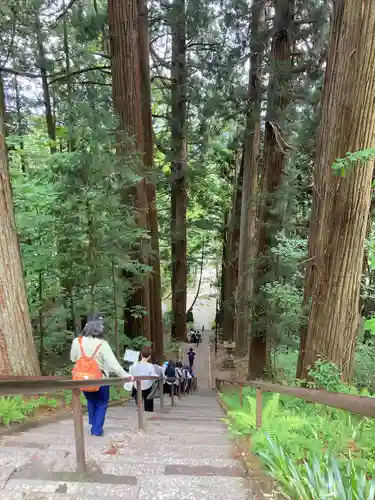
[341, 205]
[126, 90]
[17, 350]
[231, 268]
[155, 279]
[249, 207]
[179, 166]
[273, 162]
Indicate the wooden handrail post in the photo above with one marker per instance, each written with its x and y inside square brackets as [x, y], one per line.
[78, 431]
[172, 394]
[161, 390]
[140, 404]
[241, 396]
[259, 407]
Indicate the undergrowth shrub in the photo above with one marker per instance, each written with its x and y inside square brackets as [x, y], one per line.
[319, 478]
[18, 408]
[308, 434]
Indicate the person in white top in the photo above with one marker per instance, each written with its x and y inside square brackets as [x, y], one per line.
[144, 368]
[93, 344]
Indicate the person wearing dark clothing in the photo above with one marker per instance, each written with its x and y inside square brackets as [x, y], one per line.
[191, 356]
[170, 372]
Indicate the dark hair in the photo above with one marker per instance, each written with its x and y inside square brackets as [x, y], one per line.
[94, 329]
[179, 364]
[191, 349]
[146, 352]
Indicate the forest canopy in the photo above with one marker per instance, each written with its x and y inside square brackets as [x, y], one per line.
[145, 141]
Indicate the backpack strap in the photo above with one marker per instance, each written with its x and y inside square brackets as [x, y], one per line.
[83, 354]
[96, 350]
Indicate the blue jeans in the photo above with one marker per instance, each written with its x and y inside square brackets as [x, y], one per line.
[97, 404]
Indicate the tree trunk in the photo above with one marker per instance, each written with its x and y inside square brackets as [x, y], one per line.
[157, 336]
[273, 162]
[126, 90]
[341, 204]
[179, 166]
[17, 350]
[224, 236]
[41, 57]
[249, 206]
[231, 268]
[20, 128]
[191, 307]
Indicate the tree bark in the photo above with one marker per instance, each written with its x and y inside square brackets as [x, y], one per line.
[126, 91]
[273, 162]
[157, 336]
[17, 350]
[249, 206]
[179, 166]
[231, 268]
[341, 204]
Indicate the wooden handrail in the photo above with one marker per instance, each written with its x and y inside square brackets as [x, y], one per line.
[14, 385]
[34, 385]
[359, 405]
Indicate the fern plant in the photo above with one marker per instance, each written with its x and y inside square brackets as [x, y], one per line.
[276, 422]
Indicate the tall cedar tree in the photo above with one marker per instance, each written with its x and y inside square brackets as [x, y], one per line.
[17, 351]
[126, 90]
[249, 208]
[155, 279]
[273, 162]
[341, 204]
[179, 166]
[231, 254]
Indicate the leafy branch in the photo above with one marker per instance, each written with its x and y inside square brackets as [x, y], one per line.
[342, 165]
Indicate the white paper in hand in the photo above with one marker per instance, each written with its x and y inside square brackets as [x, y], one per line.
[131, 356]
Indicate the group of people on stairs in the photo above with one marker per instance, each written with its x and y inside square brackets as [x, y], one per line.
[94, 358]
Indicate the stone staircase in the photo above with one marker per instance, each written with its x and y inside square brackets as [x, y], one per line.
[183, 454]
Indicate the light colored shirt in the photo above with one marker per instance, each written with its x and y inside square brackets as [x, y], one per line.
[105, 358]
[143, 369]
[160, 370]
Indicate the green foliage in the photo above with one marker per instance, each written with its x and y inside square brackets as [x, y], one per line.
[326, 376]
[296, 436]
[137, 343]
[342, 165]
[316, 479]
[171, 346]
[243, 422]
[17, 408]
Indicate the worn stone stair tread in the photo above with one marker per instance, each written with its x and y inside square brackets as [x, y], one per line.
[26, 486]
[63, 496]
[192, 488]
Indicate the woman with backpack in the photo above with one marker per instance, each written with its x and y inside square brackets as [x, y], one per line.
[94, 359]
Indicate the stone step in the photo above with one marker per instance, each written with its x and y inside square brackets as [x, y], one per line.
[171, 487]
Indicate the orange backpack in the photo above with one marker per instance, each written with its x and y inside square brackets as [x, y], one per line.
[87, 368]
